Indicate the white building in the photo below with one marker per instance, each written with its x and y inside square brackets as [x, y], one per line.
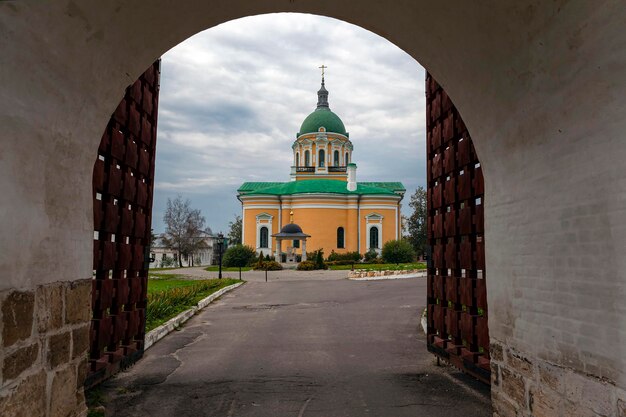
[166, 257]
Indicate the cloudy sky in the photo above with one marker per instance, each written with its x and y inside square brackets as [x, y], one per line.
[233, 98]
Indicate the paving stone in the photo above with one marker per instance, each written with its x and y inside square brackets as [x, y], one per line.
[49, 301]
[17, 317]
[63, 394]
[20, 360]
[513, 385]
[495, 352]
[28, 399]
[502, 407]
[80, 341]
[544, 402]
[58, 349]
[78, 302]
[551, 376]
[519, 363]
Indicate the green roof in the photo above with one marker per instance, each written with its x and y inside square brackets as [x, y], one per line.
[393, 186]
[317, 186]
[253, 186]
[322, 117]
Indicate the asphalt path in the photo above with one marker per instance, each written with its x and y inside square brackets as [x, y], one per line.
[300, 347]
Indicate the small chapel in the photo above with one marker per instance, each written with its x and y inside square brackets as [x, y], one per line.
[322, 206]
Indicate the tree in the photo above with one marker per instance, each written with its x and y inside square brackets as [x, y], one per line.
[234, 234]
[398, 251]
[416, 225]
[183, 228]
[239, 256]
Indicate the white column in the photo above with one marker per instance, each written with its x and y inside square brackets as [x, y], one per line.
[304, 250]
[277, 253]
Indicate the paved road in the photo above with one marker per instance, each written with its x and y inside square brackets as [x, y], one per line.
[300, 348]
[259, 276]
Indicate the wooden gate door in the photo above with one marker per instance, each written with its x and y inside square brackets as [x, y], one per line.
[123, 179]
[457, 295]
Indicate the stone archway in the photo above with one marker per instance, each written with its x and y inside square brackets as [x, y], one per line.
[540, 86]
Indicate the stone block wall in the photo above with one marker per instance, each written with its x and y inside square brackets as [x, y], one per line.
[43, 349]
[525, 387]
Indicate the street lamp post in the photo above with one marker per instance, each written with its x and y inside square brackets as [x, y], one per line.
[220, 246]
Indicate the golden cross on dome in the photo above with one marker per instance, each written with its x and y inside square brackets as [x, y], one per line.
[323, 67]
[291, 216]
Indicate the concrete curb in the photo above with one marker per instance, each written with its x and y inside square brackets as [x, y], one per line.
[169, 326]
[389, 277]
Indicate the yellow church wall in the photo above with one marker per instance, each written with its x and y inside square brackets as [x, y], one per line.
[250, 226]
[322, 225]
[388, 225]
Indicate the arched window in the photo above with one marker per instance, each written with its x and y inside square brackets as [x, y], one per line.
[340, 238]
[264, 238]
[347, 159]
[307, 158]
[322, 158]
[297, 159]
[374, 238]
[336, 158]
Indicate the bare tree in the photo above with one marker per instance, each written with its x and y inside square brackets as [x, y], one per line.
[184, 226]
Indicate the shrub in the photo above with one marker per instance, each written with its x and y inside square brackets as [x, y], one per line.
[319, 260]
[349, 256]
[329, 263]
[370, 256]
[306, 266]
[167, 262]
[267, 265]
[398, 251]
[238, 256]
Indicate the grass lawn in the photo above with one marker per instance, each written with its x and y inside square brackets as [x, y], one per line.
[168, 295]
[383, 267]
[215, 268]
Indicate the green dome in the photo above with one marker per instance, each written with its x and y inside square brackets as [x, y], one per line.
[322, 117]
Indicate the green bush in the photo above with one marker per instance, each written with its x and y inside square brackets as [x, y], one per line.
[267, 265]
[398, 251]
[370, 256]
[319, 260]
[344, 262]
[306, 266]
[238, 256]
[348, 256]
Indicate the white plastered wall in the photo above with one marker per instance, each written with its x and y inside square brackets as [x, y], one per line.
[541, 86]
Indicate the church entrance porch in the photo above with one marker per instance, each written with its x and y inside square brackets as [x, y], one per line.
[290, 232]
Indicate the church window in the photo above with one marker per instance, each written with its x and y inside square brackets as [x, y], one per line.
[374, 238]
[296, 243]
[297, 159]
[340, 238]
[347, 159]
[336, 158]
[322, 157]
[307, 158]
[263, 239]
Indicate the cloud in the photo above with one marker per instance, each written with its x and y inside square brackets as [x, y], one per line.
[233, 98]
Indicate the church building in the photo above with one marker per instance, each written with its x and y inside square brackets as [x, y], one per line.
[323, 199]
